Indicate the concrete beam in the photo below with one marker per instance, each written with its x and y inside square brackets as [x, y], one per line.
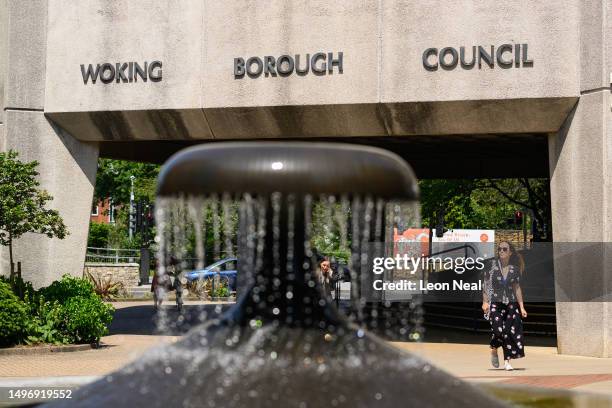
[166, 124]
[332, 121]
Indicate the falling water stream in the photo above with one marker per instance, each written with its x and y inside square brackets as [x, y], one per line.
[345, 227]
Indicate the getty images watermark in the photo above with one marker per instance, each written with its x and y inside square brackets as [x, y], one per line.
[406, 265]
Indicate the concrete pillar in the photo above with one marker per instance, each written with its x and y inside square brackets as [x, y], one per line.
[67, 167]
[4, 264]
[581, 193]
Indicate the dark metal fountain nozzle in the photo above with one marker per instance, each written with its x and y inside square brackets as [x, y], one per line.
[287, 167]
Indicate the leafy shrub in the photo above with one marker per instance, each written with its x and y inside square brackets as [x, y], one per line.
[23, 289]
[222, 291]
[46, 324]
[67, 287]
[67, 311]
[70, 311]
[14, 318]
[85, 320]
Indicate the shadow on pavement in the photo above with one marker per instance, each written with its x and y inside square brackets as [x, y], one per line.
[143, 319]
[444, 335]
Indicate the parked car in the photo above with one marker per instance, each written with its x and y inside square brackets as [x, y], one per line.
[225, 268]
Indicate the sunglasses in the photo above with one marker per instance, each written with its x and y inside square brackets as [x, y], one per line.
[503, 249]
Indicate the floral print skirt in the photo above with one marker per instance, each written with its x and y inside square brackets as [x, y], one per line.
[507, 329]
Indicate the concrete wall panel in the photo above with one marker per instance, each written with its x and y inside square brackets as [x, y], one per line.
[277, 27]
[382, 45]
[549, 28]
[595, 35]
[25, 84]
[3, 54]
[99, 31]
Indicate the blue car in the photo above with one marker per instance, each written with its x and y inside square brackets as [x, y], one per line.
[225, 268]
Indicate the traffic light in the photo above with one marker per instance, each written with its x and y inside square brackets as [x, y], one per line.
[149, 215]
[139, 217]
[440, 229]
[518, 218]
[132, 222]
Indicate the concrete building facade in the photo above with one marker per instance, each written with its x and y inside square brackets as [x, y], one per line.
[459, 88]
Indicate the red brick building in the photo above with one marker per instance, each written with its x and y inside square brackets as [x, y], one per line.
[103, 212]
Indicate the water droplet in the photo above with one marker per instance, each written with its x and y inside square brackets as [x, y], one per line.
[378, 396]
[168, 370]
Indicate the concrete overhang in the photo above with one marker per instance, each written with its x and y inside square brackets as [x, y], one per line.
[543, 115]
[384, 89]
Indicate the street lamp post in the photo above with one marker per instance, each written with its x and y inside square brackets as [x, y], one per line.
[131, 222]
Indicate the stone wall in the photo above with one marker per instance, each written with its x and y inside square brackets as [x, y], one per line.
[514, 236]
[127, 273]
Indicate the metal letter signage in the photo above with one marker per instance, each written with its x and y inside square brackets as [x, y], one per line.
[505, 55]
[319, 63]
[122, 72]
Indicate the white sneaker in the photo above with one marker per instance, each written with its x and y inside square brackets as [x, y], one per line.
[507, 366]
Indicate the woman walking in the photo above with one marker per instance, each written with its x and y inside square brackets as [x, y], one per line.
[325, 276]
[502, 303]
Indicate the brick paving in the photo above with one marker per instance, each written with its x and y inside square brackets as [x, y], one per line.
[542, 366]
[117, 351]
[559, 381]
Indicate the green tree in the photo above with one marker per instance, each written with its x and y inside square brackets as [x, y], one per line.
[22, 203]
[98, 235]
[113, 180]
[451, 196]
[530, 194]
[487, 203]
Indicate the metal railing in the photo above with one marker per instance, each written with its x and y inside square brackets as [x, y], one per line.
[109, 255]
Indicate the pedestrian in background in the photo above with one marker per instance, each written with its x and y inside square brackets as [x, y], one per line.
[325, 276]
[502, 303]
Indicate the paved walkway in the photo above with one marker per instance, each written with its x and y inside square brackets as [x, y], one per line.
[541, 367]
[117, 351]
[465, 356]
